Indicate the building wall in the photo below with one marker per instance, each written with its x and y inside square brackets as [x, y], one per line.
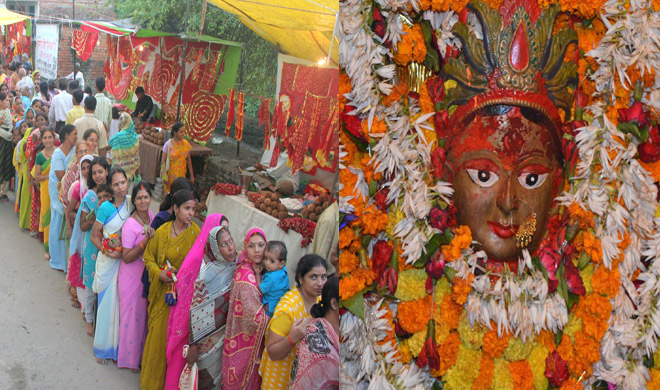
[85, 9]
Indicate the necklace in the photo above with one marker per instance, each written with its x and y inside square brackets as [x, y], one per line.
[141, 219]
[176, 234]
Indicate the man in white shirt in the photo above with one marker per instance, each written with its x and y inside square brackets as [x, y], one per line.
[80, 78]
[88, 121]
[60, 105]
[279, 178]
[103, 104]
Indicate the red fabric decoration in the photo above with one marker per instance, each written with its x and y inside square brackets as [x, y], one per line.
[264, 120]
[240, 115]
[203, 114]
[231, 113]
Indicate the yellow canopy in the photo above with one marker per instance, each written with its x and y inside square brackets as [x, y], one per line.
[8, 17]
[302, 28]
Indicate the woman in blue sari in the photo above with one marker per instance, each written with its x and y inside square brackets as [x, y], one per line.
[96, 181]
[109, 221]
[59, 161]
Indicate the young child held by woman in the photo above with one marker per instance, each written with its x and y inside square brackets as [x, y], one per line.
[275, 281]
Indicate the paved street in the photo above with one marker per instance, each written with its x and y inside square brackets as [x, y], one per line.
[42, 338]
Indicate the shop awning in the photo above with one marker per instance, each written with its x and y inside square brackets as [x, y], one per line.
[9, 17]
[302, 28]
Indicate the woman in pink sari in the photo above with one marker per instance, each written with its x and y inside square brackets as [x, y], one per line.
[178, 327]
[246, 320]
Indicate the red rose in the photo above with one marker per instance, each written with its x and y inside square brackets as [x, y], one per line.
[635, 113]
[550, 260]
[429, 355]
[573, 278]
[556, 369]
[439, 218]
[381, 256]
[649, 151]
[380, 199]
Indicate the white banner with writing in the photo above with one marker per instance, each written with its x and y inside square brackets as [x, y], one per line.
[47, 39]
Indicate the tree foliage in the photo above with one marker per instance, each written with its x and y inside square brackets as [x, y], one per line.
[259, 57]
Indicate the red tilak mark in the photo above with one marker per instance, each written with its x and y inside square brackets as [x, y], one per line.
[519, 55]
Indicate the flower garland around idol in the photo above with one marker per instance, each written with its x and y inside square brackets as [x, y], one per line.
[420, 307]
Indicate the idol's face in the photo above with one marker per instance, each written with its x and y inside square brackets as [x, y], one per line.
[504, 167]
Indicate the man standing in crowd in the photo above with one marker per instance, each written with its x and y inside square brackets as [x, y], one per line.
[79, 77]
[144, 105]
[26, 63]
[77, 111]
[62, 103]
[88, 121]
[103, 105]
[25, 81]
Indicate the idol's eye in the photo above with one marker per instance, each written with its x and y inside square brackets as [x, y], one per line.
[482, 178]
[532, 180]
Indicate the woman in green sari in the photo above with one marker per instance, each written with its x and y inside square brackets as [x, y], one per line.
[25, 203]
[172, 243]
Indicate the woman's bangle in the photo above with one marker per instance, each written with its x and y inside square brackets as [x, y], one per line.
[290, 341]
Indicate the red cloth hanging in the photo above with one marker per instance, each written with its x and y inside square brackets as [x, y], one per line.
[84, 42]
[240, 115]
[231, 113]
[264, 120]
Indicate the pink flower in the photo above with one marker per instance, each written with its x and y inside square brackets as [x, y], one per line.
[635, 113]
[439, 218]
[556, 369]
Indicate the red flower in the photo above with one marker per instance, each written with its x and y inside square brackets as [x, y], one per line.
[440, 121]
[378, 25]
[635, 113]
[649, 151]
[439, 218]
[429, 355]
[568, 145]
[581, 98]
[380, 199]
[352, 123]
[573, 278]
[436, 87]
[435, 268]
[381, 256]
[389, 279]
[556, 369]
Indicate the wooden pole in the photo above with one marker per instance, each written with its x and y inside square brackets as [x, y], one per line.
[183, 63]
[240, 84]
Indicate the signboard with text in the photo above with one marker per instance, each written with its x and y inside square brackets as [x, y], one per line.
[47, 39]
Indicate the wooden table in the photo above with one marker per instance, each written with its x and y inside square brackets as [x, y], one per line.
[243, 216]
[151, 155]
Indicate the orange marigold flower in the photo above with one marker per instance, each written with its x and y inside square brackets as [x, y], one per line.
[412, 46]
[346, 237]
[348, 262]
[595, 311]
[486, 371]
[354, 282]
[494, 345]
[584, 218]
[448, 353]
[625, 242]
[606, 282]
[587, 353]
[570, 384]
[440, 5]
[460, 289]
[585, 241]
[521, 375]
[584, 8]
[450, 312]
[372, 220]
[377, 127]
[547, 339]
[458, 5]
[462, 240]
[413, 316]
[425, 103]
[400, 90]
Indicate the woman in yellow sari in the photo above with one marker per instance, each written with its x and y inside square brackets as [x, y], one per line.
[176, 157]
[172, 243]
[40, 172]
[25, 201]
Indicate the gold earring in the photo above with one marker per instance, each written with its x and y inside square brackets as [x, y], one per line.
[526, 229]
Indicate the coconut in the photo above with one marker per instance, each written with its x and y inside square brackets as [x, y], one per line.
[318, 210]
[269, 210]
[262, 207]
[325, 204]
[268, 202]
[281, 207]
[282, 215]
[274, 213]
[312, 216]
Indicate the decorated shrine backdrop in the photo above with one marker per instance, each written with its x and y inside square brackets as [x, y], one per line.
[310, 92]
[16, 39]
[155, 64]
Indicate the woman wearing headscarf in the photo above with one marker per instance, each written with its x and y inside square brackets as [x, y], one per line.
[168, 247]
[246, 319]
[125, 146]
[25, 194]
[76, 193]
[6, 147]
[203, 281]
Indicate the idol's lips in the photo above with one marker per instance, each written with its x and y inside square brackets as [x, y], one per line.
[502, 231]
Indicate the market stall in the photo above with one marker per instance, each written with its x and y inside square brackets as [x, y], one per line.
[243, 216]
[151, 155]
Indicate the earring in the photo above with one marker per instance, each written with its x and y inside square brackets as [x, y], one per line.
[526, 229]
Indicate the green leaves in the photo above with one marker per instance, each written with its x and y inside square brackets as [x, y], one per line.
[433, 245]
[355, 305]
[632, 128]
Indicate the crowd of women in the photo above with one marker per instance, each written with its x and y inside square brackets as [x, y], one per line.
[160, 295]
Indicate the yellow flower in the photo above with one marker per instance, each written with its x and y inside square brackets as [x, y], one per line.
[586, 273]
[442, 331]
[502, 379]
[573, 325]
[537, 365]
[517, 350]
[471, 337]
[411, 285]
[394, 217]
[416, 342]
[404, 351]
[465, 371]
[442, 288]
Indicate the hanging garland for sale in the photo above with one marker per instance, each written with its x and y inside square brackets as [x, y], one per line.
[499, 163]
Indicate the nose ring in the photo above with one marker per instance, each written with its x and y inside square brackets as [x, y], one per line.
[526, 229]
